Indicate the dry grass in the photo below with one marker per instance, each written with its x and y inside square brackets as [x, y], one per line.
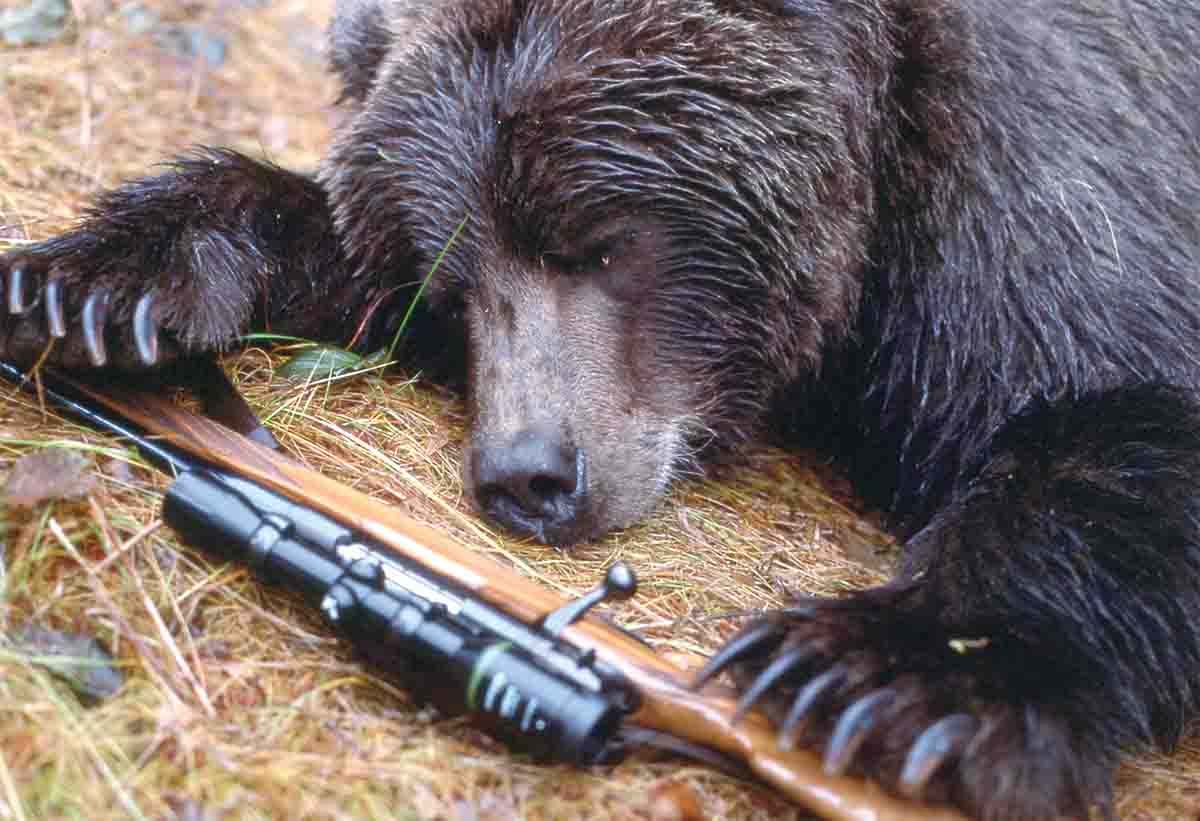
[238, 703]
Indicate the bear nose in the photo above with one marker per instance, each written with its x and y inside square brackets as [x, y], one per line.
[533, 483]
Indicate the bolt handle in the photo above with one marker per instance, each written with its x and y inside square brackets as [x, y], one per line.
[619, 584]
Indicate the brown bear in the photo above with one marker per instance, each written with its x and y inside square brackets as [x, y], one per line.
[955, 242]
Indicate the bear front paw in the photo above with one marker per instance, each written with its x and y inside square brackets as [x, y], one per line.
[93, 297]
[880, 686]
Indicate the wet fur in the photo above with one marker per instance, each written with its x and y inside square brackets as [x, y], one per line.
[955, 242]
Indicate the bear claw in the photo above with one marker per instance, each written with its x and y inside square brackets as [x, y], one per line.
[785, 662]
[145, 329]
[16, 290]
[95, 310]
[55, 319]
[853, 727]
[942, 740]
[758, 639]
[809, 696]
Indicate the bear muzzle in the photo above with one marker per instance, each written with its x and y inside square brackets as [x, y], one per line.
[534, 483]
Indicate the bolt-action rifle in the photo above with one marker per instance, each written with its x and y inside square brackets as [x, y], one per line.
[463, 632]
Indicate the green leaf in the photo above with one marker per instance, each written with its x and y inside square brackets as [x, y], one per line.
[320, 362]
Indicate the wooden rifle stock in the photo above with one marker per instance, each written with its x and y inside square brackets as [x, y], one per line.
[667, 705]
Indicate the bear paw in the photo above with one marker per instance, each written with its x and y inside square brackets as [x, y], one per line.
[880, 686]
[85, 299]
[42, 307]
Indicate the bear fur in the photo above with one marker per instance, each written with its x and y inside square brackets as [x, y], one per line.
[955, 242]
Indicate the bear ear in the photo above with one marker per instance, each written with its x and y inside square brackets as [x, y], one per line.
[360, 36]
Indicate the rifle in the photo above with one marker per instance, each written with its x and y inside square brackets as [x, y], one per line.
[464, 632]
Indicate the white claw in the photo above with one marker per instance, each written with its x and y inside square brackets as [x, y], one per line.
[940, 741]
[95, 310]
[55, 320]
[145, 330]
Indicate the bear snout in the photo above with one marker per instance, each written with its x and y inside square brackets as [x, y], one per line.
[532, 483]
